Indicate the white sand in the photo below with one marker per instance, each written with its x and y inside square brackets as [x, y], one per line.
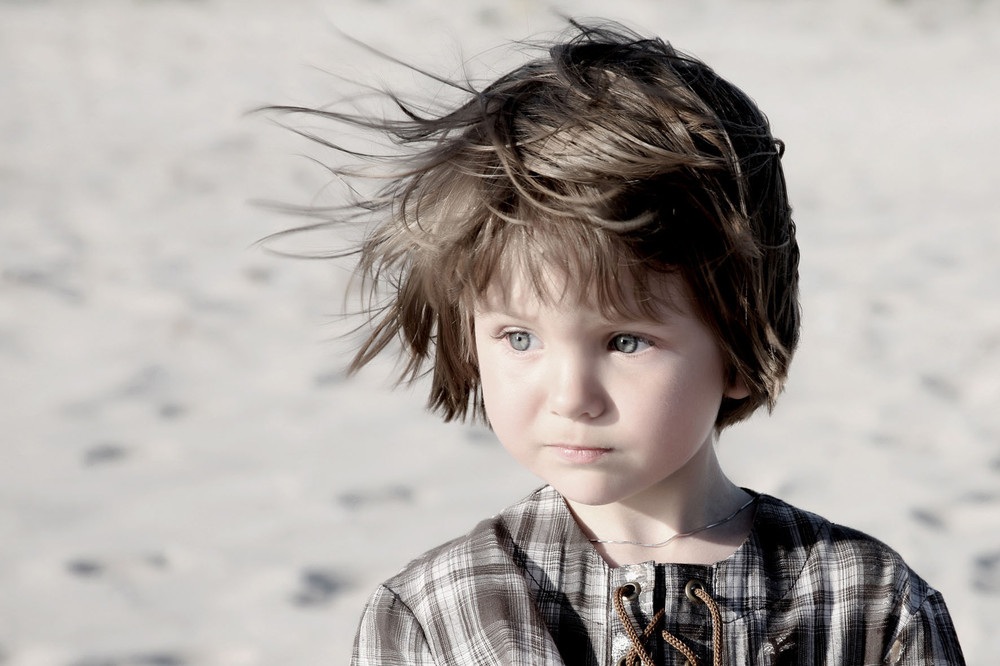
[186, 477]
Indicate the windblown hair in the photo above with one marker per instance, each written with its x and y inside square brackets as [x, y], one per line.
[613, 158]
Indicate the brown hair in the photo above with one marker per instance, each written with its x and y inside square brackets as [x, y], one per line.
[613, 157]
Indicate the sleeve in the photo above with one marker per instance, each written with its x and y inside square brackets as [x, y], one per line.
[927, 637]
[390, 634]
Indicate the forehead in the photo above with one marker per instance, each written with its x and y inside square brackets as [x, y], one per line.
[621, 294]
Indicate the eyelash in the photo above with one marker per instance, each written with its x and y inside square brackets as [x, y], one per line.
[506, 335]
[640, 340]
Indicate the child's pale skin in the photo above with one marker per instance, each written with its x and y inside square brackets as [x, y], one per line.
[618, 415]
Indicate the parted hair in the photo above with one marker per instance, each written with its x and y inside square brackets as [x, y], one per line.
[611, 157]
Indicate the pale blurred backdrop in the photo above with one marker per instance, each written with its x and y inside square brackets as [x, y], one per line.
[187, 478]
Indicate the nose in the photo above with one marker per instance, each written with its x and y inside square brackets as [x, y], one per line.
[575, 389]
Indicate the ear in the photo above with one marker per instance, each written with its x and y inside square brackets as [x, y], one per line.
[737, 389]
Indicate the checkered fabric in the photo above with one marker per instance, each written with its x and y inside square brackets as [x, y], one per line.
[526, 587]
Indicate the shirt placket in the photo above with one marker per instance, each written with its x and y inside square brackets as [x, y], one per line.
[637, 584]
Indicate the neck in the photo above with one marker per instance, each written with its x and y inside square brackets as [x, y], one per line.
[695, 496]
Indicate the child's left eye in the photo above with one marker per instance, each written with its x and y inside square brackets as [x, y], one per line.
[628, 344]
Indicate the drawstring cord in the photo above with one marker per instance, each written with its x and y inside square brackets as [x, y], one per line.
[694, 590]
[638, 650]
[696, 593]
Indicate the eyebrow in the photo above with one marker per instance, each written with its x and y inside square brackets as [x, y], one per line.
[668, 315]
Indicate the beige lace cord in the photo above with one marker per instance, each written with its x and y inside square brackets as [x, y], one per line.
[638, 649]
[696, 591]
[638, 653]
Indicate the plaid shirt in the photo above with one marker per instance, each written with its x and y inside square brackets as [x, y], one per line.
[526, 587]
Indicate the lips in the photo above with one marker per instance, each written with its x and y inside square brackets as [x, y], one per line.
[580, 455]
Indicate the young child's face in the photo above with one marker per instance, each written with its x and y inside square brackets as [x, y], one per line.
[600, 408]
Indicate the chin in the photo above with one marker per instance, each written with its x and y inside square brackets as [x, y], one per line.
[588, 495]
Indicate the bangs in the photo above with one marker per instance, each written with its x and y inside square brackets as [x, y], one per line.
[560, 259]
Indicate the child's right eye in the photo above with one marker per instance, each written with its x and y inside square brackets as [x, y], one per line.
[520, 340]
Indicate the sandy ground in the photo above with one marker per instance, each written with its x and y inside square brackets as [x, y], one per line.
[187, 478]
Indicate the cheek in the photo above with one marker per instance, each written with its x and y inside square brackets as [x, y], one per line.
[485, 367]
[507, 400]
[676, 394]
[491, 383]
[499, 395]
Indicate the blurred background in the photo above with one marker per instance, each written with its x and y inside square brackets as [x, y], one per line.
[186, 476]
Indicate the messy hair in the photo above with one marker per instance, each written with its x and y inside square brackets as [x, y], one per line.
[613, 158]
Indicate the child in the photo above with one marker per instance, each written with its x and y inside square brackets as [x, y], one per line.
[596, 254]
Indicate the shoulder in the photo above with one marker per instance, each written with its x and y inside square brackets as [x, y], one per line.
[489, 550]
[811, 544]
[807, 552]
[823, 577]
[466, 601]
[795, 530]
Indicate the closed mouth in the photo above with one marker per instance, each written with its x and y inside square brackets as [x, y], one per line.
[579, 454]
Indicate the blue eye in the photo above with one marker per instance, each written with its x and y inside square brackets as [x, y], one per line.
[519, 340]
[628, 344]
